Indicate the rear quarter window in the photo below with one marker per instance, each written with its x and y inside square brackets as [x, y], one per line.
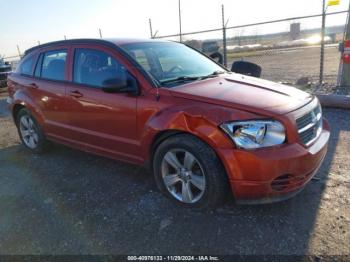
[26, 66]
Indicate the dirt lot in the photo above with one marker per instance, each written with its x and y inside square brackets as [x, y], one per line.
[70, 202]
[285, 65]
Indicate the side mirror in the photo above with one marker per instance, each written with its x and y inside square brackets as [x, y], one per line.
[246, 68]
[116, 85]
[218, 56]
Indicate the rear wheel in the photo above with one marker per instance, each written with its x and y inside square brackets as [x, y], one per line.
[30, 132]
[189, 172]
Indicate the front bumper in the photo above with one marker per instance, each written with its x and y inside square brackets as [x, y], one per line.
[3, 83]
[3, 79]
[273, 174]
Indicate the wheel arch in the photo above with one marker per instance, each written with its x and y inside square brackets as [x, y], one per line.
[22, 100]
[158, 139]
[168, 133]
[167, 124]
[15, 110]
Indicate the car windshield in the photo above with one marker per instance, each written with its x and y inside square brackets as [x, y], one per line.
[172, 63]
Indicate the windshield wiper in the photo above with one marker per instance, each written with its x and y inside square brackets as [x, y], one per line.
[214, 74]
[181, 79]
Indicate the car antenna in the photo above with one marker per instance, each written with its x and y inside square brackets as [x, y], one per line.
[157, 94]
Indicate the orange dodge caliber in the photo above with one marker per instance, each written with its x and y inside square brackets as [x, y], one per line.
[204, 131]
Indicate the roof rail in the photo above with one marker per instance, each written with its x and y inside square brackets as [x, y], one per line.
[70, 41]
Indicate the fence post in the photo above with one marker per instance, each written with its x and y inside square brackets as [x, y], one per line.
[150, 27]
[322, 41]
[345, 74]
[180, 26]
[224, 43]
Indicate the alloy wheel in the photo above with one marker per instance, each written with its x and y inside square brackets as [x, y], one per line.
[183, 176]
[28, 132]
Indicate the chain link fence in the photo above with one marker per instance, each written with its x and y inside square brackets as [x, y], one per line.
[288, 50]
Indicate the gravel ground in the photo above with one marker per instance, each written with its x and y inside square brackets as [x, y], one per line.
[71, 202]
[283, 65]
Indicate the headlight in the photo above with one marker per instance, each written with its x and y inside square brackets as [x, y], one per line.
[255, 134]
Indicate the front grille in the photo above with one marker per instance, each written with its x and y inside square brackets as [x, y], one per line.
[3, 76]
[310, 125]
[5, 69]
[280, 183]
[289, 182]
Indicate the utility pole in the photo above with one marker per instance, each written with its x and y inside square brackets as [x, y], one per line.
[150, 27]
[180, 21]
[100, 32]
[322, 40]
[224, 43]
[345, 74]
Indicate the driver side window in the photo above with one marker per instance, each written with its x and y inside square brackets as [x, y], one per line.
[95, 68]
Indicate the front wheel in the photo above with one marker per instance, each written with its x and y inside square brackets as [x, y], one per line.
[189, 172]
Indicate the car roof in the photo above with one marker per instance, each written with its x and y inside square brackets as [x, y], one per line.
[123, 41]
[105, 41]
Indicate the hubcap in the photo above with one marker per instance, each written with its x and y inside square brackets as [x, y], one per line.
[28, 132]
[183, 176]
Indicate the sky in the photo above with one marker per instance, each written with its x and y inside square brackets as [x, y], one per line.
[25, 22]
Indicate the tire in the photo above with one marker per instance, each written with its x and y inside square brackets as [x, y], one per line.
[205, 177]
[246, 68]
[35, 139]
[219, 56]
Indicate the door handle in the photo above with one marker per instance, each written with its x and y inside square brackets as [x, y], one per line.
[33, 85]
[75, 94]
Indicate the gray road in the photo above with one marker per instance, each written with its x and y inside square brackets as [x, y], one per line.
[70, 202]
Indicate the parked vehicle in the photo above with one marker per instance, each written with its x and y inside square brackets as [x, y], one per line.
[5, 69]
[246, 68]
[204, 131]
[212, 49]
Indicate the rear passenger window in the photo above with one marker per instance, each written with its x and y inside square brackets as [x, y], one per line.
[53, 65]
[95, 68]
[26, 67]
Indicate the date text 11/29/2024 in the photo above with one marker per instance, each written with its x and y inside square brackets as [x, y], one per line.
[173, 258]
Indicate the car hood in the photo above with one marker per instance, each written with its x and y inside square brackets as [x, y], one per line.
[243, 92]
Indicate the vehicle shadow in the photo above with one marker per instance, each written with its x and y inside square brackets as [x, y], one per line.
[71, 202]
[3, 108]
